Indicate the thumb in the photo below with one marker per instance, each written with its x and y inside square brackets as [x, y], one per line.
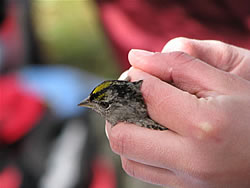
[223, 56]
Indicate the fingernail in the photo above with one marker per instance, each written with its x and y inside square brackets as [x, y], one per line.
[124, 76]
[137, 52]
[106, 131]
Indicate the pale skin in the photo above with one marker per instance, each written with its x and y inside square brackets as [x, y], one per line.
[200, 90]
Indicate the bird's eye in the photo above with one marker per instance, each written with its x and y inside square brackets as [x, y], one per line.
[104, 104]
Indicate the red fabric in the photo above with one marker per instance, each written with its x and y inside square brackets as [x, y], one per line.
[19, 110]
[149, 24]
[103, 175]
[10, 178]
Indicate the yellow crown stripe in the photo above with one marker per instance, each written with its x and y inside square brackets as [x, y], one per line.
[100, 97]
[102, 86]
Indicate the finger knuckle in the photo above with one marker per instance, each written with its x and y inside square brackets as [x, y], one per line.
[209, 130]
[203, 175]
[119, 141]
[227, 54]
[129, 167]
[213, 124]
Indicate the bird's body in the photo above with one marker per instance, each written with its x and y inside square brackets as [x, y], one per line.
[121, 101]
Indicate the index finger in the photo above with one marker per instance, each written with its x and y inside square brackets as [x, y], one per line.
[169, 106]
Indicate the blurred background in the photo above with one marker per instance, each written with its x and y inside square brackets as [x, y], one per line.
[52, 54]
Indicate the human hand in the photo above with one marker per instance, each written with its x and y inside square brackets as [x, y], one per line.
[207, 113]
[223, 56]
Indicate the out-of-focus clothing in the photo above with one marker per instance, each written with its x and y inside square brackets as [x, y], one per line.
[149, 24]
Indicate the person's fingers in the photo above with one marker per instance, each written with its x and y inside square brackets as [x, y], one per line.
[159, 176]
[162, 149]
[133, 142]
[178, 110]
[150, 174]
[185, 72]
[226, 57]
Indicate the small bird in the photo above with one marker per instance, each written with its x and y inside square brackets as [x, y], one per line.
[121, 101]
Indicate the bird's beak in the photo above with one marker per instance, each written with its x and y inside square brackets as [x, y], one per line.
[86, 103]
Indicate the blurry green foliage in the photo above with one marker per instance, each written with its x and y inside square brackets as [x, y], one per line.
[69, 32]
